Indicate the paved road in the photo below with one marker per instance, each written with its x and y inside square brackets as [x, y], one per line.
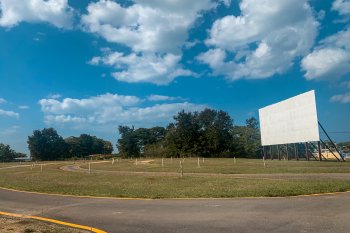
[296, 214]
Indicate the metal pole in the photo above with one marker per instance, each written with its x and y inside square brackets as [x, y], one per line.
[319, 150]
[287, 151]
[279, 152]
[335, 147]
[307, 151]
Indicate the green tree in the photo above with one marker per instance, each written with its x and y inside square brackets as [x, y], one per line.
[46, 144]
[186, 132]
[128, 145]
[86, 144]
[247, 139]
[134, 142]
[215, 136]
[107, 147]
[6, 153]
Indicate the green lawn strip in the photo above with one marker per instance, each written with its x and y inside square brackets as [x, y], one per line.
[53, 180]
[225, 166]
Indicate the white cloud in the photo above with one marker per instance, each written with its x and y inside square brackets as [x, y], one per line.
[110, 110]
[342, 6]
[326, 63]
[330, 60]
[2, 101]
[154, 30]
[55, 12]
[9, 113]
[344, 98]
[162, 98]
[11, 130]
[74, 106]
[152, 68]
[264, 40]
[54, 96]
[146, 26]
[24, 107]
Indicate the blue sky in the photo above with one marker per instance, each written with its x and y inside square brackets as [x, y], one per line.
[88, 66]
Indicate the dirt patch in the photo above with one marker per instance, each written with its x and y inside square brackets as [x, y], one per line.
[18, 225]
[146, 161]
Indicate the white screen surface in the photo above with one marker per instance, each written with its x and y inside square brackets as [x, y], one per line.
[290, 121]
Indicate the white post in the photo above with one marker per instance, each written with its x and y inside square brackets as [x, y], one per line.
[41, 168]
[112, 161]
[162, 162]
[198, 165]
[89, 168]
[234, 160]
[264, 162]
[181, 168]
[136, 162]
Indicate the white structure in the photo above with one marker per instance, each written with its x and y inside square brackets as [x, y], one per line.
[290, 121]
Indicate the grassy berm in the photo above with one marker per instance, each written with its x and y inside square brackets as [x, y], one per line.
[117, 184]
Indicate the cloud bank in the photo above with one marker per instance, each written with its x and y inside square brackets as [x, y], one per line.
[55, 12]
[107, 111]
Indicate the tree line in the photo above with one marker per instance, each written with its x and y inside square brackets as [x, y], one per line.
[47, 144]
[208, 133]
[8, 155]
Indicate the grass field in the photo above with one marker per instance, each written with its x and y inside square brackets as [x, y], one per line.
[109, 184]
[223, 166]
[18, 225]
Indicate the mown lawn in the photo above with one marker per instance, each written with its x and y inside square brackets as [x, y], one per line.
[54, 180]
[224, 166]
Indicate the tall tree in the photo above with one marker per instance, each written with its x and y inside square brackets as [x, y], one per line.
[215, 136]
[86, 144]
[247, 139]
[46, 144]
[186, 132]
[128, 145]
[6, 153]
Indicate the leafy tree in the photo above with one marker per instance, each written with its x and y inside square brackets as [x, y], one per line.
[205, 133]
[247, 139]
[46, 144]
[215, 136]
[134, 142]
[128, 145]
[107, 147]
[186, 131]
[86, 144]
[73, 146]
[7, 154]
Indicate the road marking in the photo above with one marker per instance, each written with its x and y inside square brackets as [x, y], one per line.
[95, 230]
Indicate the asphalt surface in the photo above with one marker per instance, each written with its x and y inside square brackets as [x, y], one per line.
[329, 213]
